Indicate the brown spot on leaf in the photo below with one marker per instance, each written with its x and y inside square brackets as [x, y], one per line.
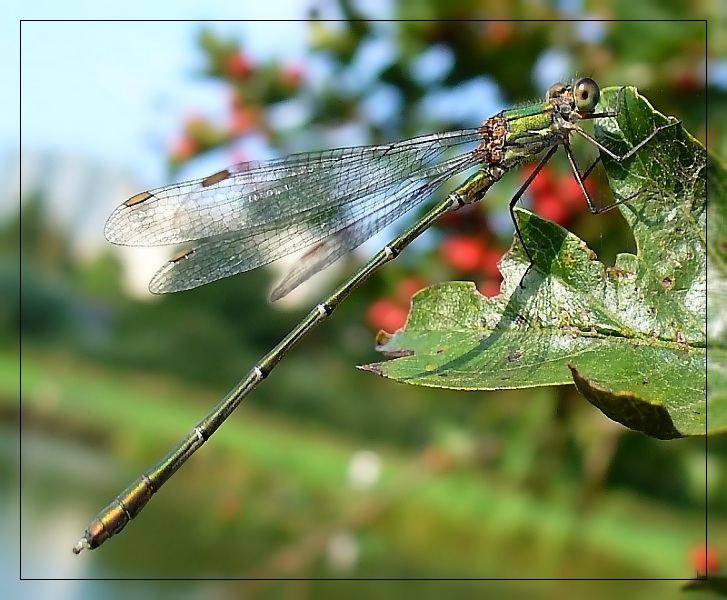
[667, 283]
[376, 368]
[396, 353]
[616, 273]
[514, 356]
[383, 338]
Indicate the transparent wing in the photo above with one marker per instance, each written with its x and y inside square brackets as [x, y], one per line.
[328, 251]
[301, 188]
[225, 255]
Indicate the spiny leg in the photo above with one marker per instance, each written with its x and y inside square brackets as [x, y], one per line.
[615, 113]
[514, 200]
[633, 150]
[580, 178]
[581, 182]
[618, 158]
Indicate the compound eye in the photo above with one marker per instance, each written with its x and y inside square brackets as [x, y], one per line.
[554, 90]
[586, 94]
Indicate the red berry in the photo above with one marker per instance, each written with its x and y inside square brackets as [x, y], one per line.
[237, 66]
[543, 181]
[571, 193]
[243, 120]
[183, 148]
[704, 559]
[462, 253]
[387, 315]
[687, 81]
[490, 259]
[291, 76]
[551, 207]
[408, 287]
[489, 288]
[499, 32]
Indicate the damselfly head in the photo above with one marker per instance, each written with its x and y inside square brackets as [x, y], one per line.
[580, 97]
[556, 90]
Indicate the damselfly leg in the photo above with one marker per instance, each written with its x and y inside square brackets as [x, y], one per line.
[580, 178]
[620, 158]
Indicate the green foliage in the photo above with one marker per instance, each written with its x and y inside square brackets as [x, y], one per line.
[631, 337]
[269, 486]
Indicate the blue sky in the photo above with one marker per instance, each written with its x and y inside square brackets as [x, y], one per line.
[117, 92]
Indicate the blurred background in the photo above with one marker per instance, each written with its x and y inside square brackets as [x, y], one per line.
[325, 471]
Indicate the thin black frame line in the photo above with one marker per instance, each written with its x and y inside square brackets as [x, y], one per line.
[332, 20]
[20, 23]
[20, 300]
[614, 579]
[706, 291]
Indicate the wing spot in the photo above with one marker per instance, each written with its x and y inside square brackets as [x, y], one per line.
[138, 199]
[182, 255]
[216, 178]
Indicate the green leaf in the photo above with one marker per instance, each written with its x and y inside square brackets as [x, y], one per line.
[632, 337]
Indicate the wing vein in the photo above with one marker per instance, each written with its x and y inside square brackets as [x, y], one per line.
[287, 189]
[227, 254]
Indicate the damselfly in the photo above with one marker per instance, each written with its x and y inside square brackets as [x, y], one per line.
[330, 202]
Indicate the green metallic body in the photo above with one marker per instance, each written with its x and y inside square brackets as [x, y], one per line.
[530, 130]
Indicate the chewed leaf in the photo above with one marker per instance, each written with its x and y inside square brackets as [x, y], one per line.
[632, 337]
